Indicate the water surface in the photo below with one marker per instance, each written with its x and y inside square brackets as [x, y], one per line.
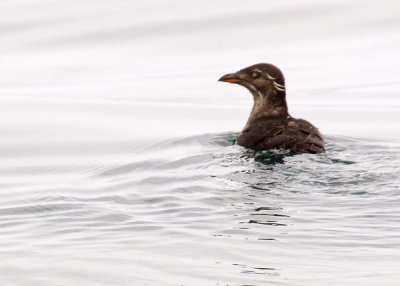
[118, 163]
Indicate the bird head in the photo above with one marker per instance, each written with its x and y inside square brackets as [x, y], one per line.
[260, 79]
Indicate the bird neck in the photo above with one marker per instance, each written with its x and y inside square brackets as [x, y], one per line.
[272, 105]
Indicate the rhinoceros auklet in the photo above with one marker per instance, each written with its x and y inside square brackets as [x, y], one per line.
[270, 125]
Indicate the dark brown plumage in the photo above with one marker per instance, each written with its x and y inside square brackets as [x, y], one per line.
[270, 125]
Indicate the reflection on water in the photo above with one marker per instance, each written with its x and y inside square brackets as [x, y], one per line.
[223, 195]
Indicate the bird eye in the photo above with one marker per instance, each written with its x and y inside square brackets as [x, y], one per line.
[254, 74]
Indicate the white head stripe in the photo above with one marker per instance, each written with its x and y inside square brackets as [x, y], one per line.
[257, 70]
[278, 86]
[270, 77]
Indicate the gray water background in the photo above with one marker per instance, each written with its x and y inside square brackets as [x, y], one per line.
[117, 159]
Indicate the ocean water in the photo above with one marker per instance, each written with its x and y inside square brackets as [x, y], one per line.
[118, 163]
